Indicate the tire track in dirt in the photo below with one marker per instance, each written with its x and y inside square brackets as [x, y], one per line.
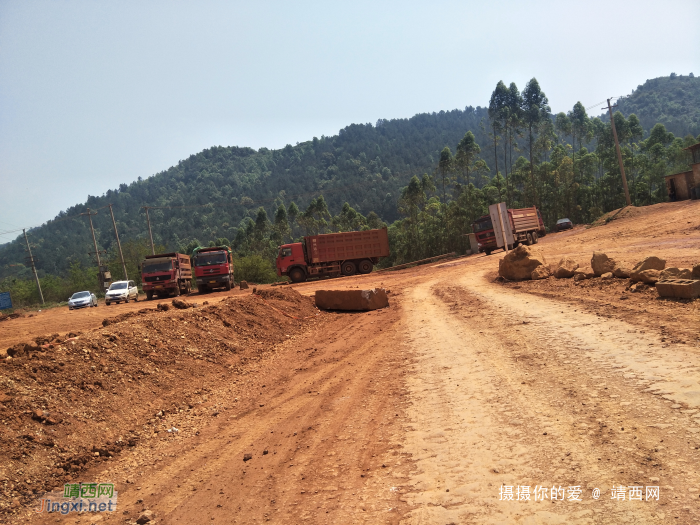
[484, 415]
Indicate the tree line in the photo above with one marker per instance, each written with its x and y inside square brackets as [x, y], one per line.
[515, 150]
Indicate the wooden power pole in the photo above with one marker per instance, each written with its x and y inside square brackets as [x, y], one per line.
[148, 220]
[94, 241]
[619, 156]
[31, 259]
[119, 245]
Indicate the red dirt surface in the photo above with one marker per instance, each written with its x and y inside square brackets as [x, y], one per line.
[418, 413]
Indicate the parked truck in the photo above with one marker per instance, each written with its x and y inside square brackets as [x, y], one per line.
[525, 223]
[213, 268]
[333, 254]
[166, 274]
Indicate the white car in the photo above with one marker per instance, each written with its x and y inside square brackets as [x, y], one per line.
[121, 291]
[82, 300]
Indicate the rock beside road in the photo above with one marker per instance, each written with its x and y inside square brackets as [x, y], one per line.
[621, 272]
[566, 268]
[352, 300]
[696, 271]
[650, 276]
[243, 285]
[649, 263]
[677, 273]
[541, 272]
[601, 263]
[584, 273]
[181, 304]
[519, 264]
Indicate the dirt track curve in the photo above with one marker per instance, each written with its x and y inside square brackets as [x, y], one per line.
[426, 412]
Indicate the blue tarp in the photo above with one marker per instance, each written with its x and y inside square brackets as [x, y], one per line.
[5, 300]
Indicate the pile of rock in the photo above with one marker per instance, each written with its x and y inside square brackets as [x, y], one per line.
[529, 263]
[648, 271]
[523, 263]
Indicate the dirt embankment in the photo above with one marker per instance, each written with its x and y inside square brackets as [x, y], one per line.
[67, 403]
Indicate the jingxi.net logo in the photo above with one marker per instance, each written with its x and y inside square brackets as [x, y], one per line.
[80, 497]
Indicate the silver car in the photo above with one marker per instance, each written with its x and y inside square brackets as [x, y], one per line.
[82, 300]
[121, 291]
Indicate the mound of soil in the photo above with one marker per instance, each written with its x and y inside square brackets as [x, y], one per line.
[69, 402]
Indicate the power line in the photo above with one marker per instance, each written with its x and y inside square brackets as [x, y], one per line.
[602, 103]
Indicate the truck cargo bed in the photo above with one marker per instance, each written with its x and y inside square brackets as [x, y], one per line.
[525, 219]
[347, 246]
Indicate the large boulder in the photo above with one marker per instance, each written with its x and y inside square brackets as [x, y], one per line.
[566, 268]
[677, 273]
[541, 272]
[519, 264]
[353, 300]
[601, 263]
[649, 263]
[621, 272]
[583, 273]
[645, 276]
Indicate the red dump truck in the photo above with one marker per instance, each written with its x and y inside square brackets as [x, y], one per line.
[525, 223]
[333, 254]
[166, 274]
[213, 268]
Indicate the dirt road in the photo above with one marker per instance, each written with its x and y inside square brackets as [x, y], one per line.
[467, 401]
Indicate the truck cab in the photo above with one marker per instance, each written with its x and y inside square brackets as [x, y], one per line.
[166, 274]
[213, 268]
[485, 236]
[290, 261]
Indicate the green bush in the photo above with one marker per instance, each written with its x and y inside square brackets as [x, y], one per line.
[254, 269]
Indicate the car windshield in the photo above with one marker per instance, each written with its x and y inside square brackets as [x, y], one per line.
[482, 225]
[158, 266]
[117, 286]
[562, 221]
[80, 295]
[208, 259]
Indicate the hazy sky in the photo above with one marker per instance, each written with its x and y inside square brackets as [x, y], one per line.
[96, 93]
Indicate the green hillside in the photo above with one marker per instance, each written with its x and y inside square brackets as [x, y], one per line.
[673, 101]
[425, 176]
[365, 165]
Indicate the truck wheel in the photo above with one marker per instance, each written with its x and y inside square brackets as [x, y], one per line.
[528, 239]
[176, 291]
[228, 285]
[365, 266]
[348, 268]
[487, 252]
[297, 275]
[149, 295]
[535, 239]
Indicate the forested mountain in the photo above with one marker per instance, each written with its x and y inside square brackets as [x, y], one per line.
[673, 101]
[428, 177]
[365, 165]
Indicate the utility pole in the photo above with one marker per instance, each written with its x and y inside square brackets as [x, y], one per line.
[119, 245]
[148, 220]
[619, 156]
[94, 242]
[31, 259]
